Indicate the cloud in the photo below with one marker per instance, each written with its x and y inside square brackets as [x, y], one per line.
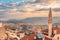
[28, 8]
[31, 5]
[4, 15]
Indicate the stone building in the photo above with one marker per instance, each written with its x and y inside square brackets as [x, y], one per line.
[2, 32]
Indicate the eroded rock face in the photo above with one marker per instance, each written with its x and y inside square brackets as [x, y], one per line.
[2, 33]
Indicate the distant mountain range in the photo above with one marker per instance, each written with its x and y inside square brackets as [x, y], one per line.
[36, 20]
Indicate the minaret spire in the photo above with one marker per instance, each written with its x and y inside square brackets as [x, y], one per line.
[50, 23]
[50, 16]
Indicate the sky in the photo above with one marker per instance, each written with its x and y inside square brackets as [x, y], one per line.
[7, 1]
[21, 9]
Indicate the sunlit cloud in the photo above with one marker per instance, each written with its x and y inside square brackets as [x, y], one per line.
[28, 8]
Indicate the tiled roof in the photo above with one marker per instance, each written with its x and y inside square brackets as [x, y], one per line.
[46, 38]
[57, 30]
[31, 37]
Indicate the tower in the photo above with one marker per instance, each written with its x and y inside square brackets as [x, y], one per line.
[50, 23]
[38, 29]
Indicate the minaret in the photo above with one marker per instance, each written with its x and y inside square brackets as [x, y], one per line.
[38, 29]
[50, 23]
